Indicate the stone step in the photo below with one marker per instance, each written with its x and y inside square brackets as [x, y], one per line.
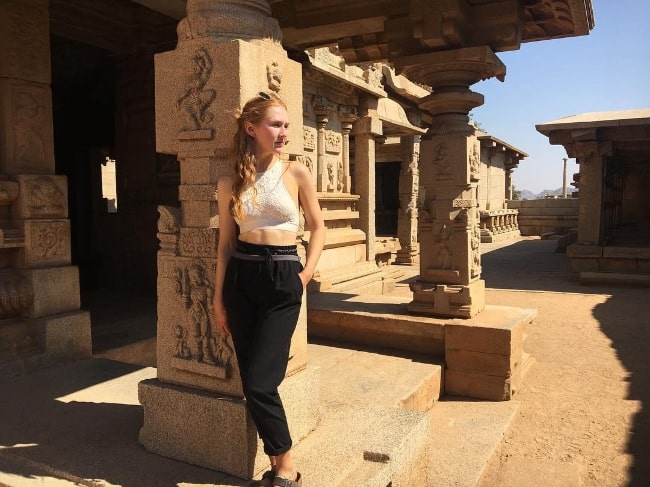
[339, 276]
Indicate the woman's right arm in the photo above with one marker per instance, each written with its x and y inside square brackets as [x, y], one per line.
[227, 243]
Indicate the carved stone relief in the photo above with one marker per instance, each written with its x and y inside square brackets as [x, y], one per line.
[476, 252]
[195, 100]
[333, 142]
[198, 339]
[169, 220]
[441, 161]
[475, 163]
[442, 248]
[29, 126]
[44, 197]
[198, 242]
[307, 161]
[274, 76]
[49, 240]
[309, 138]
[15, 294]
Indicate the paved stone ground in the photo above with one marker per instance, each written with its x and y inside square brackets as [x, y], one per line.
[584, 418]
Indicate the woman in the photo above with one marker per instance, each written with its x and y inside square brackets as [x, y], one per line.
[260, 281]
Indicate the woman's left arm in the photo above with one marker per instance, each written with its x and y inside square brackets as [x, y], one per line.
[313, 218]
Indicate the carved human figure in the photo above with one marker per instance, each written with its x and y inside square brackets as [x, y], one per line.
[29, 143]
[195, 100]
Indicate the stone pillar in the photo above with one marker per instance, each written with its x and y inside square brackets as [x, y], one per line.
[508, 183]
[321, 170]
[450, 263]
[39, 288]
[590, 156]
[228, 51]
[365, 130]
[407, 219]
[346, 128]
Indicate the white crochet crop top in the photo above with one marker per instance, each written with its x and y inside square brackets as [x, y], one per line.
[273, 207]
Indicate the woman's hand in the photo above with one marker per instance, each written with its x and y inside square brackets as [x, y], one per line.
[221, 318]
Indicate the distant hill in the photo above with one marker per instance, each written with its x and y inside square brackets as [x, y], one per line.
[529, 195]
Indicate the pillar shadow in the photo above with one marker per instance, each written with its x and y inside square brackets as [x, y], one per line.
[625, 319]
[77, 422]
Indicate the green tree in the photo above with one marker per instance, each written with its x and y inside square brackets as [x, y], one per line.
[516, 194]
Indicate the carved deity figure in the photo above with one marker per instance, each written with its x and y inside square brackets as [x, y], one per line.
[441, 159]
[442, 248]
[196, 99]
[475, 162]
[197, 294]
[29, 143]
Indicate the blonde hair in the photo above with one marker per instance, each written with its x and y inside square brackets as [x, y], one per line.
[243, 166]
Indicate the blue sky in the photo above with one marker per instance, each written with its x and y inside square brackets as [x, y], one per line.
[607, 70]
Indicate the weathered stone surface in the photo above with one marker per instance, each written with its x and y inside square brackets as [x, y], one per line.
[64, 336]
[42, 281]
[41, 196]
[216, 431]
[47, 243]
[25, 128]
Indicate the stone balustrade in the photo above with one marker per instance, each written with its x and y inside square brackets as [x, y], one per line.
[499, 225]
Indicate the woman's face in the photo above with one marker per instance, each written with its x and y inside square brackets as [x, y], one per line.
[271, 133]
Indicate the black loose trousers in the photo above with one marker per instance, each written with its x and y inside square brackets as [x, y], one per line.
[262, 300]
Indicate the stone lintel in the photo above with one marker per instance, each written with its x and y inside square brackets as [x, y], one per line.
[367, 125]
[216, 431]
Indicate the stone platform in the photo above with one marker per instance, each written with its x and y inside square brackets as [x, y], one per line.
[484, 355]
[79, 424]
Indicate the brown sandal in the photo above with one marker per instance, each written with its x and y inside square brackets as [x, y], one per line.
[285, 482]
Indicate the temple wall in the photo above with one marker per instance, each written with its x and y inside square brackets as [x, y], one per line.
[537, 217]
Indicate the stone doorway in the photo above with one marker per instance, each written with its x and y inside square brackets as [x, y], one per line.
[387, 198]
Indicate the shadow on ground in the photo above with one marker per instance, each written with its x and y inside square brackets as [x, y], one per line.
[70, 423]
[625, 319]
[533, 265]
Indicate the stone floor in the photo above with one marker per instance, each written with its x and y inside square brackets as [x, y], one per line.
[78, 424]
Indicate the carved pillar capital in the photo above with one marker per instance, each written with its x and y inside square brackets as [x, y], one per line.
[229, 20]
[585, 151]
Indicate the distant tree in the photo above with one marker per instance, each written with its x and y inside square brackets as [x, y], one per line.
[516, 194]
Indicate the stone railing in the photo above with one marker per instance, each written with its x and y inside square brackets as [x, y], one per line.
[499, 225]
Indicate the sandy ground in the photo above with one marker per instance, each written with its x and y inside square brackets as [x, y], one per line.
[584, 418]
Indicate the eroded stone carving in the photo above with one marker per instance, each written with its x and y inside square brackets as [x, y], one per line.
[442, 248]
[196, 99]
[169, 220]
[274, 76]
[28, 127]
[306, 160]
[15, 295]
[475, 163]
[209, 346]
[332, 142]
[441, 160]
[50, 240]
[309, 138]
[44, 198]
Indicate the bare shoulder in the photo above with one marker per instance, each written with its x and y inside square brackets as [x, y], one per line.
[299, 171]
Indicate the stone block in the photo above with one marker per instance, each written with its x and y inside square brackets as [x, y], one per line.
[644, 266]
[198, 171]
[584, 251]
[64, 336]
[584, 265]
[26, 134]
[25, 40]
[478, 386]
[202, 84]
[216, 431]
[198, 242]
[183, 359]
[42, 281]
[503, 338]
[41, 196]
[47, 243]
[198, 214]
[618, 265]
[626, 252]
[484, 363]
